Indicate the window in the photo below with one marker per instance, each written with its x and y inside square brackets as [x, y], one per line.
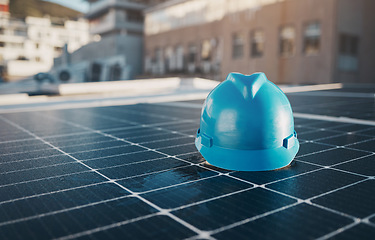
[37, 59]
[257, 43]
[2, 44]
[287, 41]
[37, 45]
[206, 50]
[58, 50]
[348, 45]
[237, 46]
[20, 32]
[159, 61]
[134, 16]
[179, 58]
[22, 58]
[348, 52]
[311, 39]
[192, 54]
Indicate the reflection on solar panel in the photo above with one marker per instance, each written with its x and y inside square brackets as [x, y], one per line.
[133, 172]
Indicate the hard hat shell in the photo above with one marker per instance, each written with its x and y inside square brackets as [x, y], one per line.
[247, 125]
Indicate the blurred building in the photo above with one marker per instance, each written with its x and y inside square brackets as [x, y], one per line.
[117, 52]
[292, 41]
[28, 46]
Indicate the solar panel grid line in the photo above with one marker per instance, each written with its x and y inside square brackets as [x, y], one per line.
[87, 144]
[169, 139]
[67, 189]
[29, 159]
[325, 169]
[149, 173]
[115, 155]
[52, 192]
[61, 211]
[35, 168]
[59, 164]
[304, 115]
[41, 215]
[334, 233]
[333, 168]
[118, 179]
[299, 201]
[367, 219]
[135, 123]
[340, 126]
[57, 135]
[213, 198]
[6, 146]
[313, 153]
[314, 129]
[133, 144]
[188, 135]
[94, 130]
[320, 138]
[324, 138]
[41, 179]
[157, 134]
[98, 149]
[336, 164]
[363, 141]
[363, 130]
[140, 113]
[344, 171]
[345, 147]
[103, 228]
[176, 185]
[286, 178]
[333, 103]
[355, 219]
[36, 150]
[191, 227]
[332, 148]
[301, 157]
[31, 178]
[158, 127]
[308, 200]
[311, 124]
[242, 222]
[342, 119]
[149, 106]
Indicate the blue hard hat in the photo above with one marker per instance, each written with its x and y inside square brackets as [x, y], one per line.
[247, 125]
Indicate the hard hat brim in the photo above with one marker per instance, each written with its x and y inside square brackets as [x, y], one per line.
[247, 160]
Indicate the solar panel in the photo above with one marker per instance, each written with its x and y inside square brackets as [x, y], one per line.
[133, 172]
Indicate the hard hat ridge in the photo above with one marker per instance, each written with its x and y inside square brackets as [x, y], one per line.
[248, 85]
[247, 124]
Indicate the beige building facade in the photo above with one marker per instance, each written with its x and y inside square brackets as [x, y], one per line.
[292, 41]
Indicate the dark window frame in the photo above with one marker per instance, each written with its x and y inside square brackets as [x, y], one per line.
[318, 40]
[238, 49]
[253, 52]
[281, 43]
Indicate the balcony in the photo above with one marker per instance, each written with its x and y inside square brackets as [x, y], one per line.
[100, 7]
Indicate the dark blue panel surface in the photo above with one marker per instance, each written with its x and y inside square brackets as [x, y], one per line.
[133, 172]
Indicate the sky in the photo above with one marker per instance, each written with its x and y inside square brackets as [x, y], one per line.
[79, 5]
